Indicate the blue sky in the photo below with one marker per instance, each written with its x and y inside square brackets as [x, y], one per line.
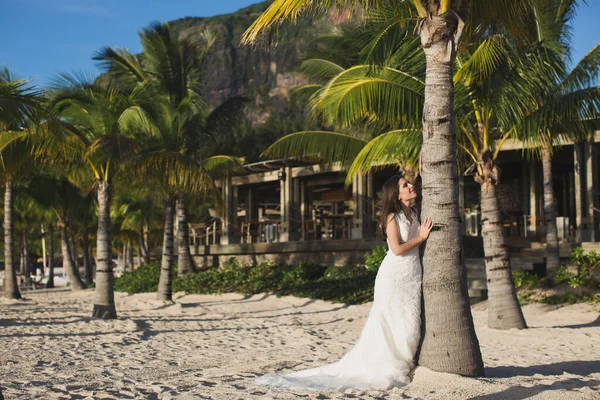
[43, 37]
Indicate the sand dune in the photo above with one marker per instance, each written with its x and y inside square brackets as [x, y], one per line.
[212, 347]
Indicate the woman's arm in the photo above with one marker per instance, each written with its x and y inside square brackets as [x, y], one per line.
[399, 247]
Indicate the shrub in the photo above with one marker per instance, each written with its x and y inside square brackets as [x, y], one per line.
[524, 278]
[374, 259]
[586, 264]
[562, 275]
[571, 298]
[142, 280]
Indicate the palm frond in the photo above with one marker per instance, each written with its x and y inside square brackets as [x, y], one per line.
[120, 63]
[398, 147]
[282, 10]
[221, 166]
[320, 68]
[385, 95]
[585, 73]
[328, 147]
[486, 59]
[171, 173]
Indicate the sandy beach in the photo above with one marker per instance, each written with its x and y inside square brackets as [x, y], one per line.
[212, 347]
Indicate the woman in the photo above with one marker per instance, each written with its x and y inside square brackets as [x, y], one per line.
[384, 354]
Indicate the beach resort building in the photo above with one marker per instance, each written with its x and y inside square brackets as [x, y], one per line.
[290, 211]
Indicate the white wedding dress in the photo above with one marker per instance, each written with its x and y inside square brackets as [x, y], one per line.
[383, 355]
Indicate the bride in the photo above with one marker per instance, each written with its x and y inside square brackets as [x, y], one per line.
[384, 354]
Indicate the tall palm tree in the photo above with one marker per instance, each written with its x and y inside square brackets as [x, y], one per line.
[17, 101]
[176, 172]
[92, 136]
[138, 210]
[444, 282]
[172, 67]
[563, 104]
[69, 205]
[180, 122]
[387, 91]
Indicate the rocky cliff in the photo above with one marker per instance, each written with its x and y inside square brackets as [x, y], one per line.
[262, 73]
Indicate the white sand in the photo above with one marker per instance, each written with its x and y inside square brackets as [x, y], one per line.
[212, 347]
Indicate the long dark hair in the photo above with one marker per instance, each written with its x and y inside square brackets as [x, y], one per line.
[390, 203]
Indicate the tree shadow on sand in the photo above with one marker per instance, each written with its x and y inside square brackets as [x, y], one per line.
[522, 392]
[592, 324]
[582, 368]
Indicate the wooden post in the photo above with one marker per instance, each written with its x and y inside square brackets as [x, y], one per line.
[287, 228]
[533, 199]
[361, 221]
[578, 185]
[227, 215]
[591, 178]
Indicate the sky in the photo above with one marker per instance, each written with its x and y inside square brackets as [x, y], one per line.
[43, 37]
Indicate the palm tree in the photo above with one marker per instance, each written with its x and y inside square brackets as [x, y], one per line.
[69, 205]
[173, 68]
[50, 236]
[387, 92]
[180, 124]
[138, 210]
[92, 136]
[563, 104]
[176, 172]
[444, 281]
[17, 100]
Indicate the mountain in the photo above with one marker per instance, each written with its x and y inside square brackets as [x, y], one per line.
[262, 73]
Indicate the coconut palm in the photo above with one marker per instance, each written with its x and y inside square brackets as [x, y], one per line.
[69, 205]
[444, 282]
[138, 210]
[172, 67]
[180, 124]
[17, 101]
[563, 103]
[173, 164]
[91, 140]
[490, 92]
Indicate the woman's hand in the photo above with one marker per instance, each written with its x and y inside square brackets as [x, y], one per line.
[425, 229]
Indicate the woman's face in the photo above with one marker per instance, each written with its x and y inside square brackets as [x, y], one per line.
[407, 190]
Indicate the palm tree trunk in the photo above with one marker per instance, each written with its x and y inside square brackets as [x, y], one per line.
[552, 249]
[50, 282]
[504, 310]
[104, 295]
[185, 262]
[449, 342]
[130, 254]
[11, 289]
[85, 244]
[73, 247]
[165, 284]
[70, 267]
[144, 246]
[26, 257]
[125, 257]
[93, 263]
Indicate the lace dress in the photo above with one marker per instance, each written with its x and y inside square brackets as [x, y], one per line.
[383, 355]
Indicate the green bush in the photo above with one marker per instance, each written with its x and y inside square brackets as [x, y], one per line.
[586, 264]
[571, 298]
[524, 278]
[141, 280]
[562, 275]
[348, 284]
[374, 259]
